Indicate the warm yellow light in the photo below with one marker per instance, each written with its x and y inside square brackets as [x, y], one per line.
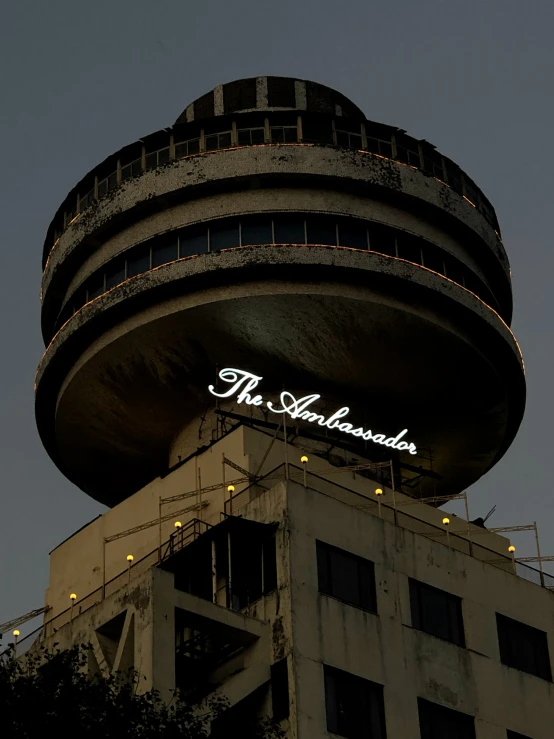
[446, 521]
[16, 633]
[130, 558]
[231, 489]
[177, 524]
[378, 491]
[511, 549]
[304, 459]
[73, 596]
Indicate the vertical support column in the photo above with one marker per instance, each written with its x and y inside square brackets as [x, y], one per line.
[234, 135]
[160, 529]
[267, 133]
[118, 170]
[214, 573]
[171, 146]
[229, 573]
[539, 553]
[299, 128]
[364, 136]
[285, 433]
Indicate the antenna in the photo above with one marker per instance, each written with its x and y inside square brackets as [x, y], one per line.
[489, 514]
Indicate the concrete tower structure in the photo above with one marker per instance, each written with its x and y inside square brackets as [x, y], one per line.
[277, 340]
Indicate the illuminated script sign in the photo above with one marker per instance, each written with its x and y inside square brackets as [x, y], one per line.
[242, 384]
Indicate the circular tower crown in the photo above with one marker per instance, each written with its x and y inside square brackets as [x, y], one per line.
[273, 228]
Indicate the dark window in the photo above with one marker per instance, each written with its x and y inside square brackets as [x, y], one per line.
[350, 140]
[256, 231]
[319, 132]
[382, 240]
[377, 146]
[95, 285]
[433, 258]
[353, 234]
[248, 136]
[346, 576]
[194, 240]
[515, 735]
[289, 229]
[436, 612]
[454, 269]
[269, 555]
[284, 134]
[112, 180]
[321, 230]
[187, 147]
[164, 250]
[438, 722]
[138, 260]
[409, 248]
[523, 647]
[407, 150]
[224, 236]
[354, 706]
[280, 690]
[102, 188]
[115, 273]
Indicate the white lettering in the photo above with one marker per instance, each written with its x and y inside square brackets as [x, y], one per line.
[243, 383]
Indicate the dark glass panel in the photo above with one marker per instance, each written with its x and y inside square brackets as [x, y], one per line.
[409, 248]
[382, 240]
[194, 146]
[163, 156]
[138, 260]
[454, 269]
[212, 142]
[256, 231]
[343, 139]
[352, 233]
[319, 132]
[112, 180]
[95, 285]
[115, 272]
[244, 137]
[291, 134]
[277, 135]
[152, 160]
[289, 229]
[258, 136]
[224, 235]
[165, 250]
[193, 240]
[102, 187]
[439, 722]
[224, 140]
[354, 706]
[321, 230]
[433, 258]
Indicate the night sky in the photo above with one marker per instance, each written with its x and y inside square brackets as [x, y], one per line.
[80, 80]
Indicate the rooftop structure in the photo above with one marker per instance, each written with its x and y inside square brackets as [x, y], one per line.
[275, 230]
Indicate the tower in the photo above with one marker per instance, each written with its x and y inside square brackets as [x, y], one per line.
[254, 320]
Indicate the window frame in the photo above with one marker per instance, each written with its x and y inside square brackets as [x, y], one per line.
[424, 709]
[367, 696]
[519, 629]
[417, 589]
[325, 584]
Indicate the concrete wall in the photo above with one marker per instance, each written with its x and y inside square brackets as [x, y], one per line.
[385, 649]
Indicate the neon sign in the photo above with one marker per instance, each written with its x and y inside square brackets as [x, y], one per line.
[242, 384]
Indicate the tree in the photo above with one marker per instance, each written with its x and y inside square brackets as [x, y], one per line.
[50, 694]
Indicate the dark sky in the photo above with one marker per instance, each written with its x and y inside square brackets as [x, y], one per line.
[79, 80]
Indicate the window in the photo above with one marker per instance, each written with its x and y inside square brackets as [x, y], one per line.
[523, 647]
[132, 169]
[407, 150]
[280, 690]
[194, 240]
[433, 258]
[353, 234]
[351, 140]
[185, 148]
[438, 722]
[382, 240]
[354, 706]
[256, 231]
[409, 248]
[515, 735]
[377, 146]
[284, 134]
[224, 236]
[289, 230]
[436, 612]
[269, 565]
[250, 136]
[115, 273]
[321, 230]
[138, 260]
[346, 576]
[218, 141]
[165, 250]
[95, 285]
[157, 158]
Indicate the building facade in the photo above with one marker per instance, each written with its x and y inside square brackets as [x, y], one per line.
[277, 341]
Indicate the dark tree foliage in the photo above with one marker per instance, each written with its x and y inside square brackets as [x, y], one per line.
[48, 694]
